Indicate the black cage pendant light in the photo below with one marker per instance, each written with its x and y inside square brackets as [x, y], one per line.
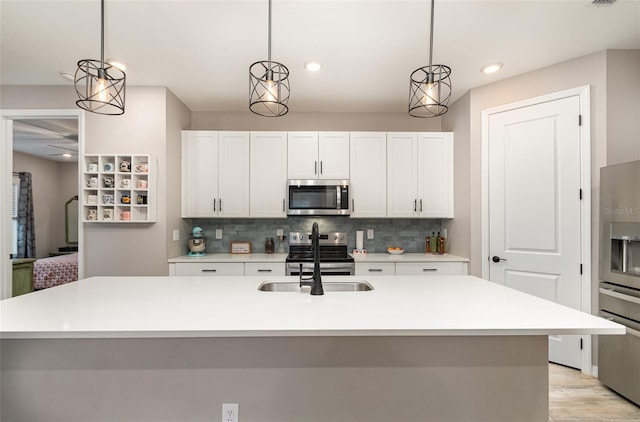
[99, 85]
[430, 88]
[269, 85]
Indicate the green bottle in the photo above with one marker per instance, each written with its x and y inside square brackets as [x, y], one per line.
[434, 242]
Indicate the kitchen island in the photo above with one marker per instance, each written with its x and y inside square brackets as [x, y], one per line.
[438, 348]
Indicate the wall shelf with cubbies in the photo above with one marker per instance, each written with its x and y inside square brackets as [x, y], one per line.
[118, 188]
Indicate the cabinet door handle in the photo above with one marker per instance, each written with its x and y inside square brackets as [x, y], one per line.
[420, 205]
[282, 204]
[220, 204]
[375, 270]
[353, 205]
[214, 204]
[429, 269]
[209, 270]
[315, 167]
[320, 166]
[260, 270]
[415, 205]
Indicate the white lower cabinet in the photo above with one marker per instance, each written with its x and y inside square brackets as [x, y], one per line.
[431, 268]
[207, 268]
[375, 268]
[271, 268]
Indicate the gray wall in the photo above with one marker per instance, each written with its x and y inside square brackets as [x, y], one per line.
[457, 120]
[119, 249]
[53, 183]
[245, 120]
[623, 106]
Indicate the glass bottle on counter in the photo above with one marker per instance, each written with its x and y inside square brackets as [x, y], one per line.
[269, 245]
[428, 244]
[433, 242]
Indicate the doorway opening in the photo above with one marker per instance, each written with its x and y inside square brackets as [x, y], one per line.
[46, 144]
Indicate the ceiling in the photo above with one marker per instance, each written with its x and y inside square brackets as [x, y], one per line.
[47, 138]
[202, 49]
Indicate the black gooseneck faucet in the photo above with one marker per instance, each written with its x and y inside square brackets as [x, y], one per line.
[316, 280]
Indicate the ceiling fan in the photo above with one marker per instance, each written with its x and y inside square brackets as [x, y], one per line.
[71, 151]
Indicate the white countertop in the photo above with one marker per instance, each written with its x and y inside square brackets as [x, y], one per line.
[229, 257]
[408, 257]
[370, 257]
[120, 307]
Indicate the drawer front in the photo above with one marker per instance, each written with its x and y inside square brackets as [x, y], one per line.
[270, 268]
[209, 269]
[373, 268]
[430, 268]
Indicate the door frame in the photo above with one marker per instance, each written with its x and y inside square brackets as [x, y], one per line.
[583, 93]
[7, 116]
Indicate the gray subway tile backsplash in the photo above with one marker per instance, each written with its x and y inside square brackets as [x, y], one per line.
[408, 233]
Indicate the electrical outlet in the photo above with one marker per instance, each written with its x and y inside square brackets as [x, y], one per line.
[444, 233]
[176, 235]
[280, 232]
[218, 233]
[230, 412]
[369, 233]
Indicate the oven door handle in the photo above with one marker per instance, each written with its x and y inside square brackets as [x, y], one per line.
[621, 296]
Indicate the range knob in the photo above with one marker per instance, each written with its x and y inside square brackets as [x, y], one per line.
[335, 237]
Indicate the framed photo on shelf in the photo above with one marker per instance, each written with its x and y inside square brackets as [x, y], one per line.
[240, 247]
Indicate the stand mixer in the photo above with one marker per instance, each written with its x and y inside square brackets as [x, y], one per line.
[197, 242]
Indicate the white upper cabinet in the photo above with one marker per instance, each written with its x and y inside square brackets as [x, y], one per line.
[435, 175]
[402, 174]
[420, 175]
[268, 151]
[318, 155]
[215, 174]
[368, 169]
[333, 154]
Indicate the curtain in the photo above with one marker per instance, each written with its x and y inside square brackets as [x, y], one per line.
[26, 227]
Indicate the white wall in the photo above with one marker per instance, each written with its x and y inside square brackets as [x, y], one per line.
[53, 183]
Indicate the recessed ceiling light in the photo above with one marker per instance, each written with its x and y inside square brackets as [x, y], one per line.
[65, 155]
[491, 68]
[67, 75]
[313, 65]
[118, 64]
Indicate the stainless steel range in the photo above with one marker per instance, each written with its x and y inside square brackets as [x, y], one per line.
[334, 259]
[619, 356]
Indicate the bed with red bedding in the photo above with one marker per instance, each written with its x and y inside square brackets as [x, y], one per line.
[56, 270]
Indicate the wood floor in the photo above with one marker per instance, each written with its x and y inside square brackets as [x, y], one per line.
[574, 396]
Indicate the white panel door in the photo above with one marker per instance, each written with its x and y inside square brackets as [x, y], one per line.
[199, 173]
[534, 211]
[368, 169]
[333, 155]
[435, 175]
[268, 180]
[233, 191]
[402, 174]
[302, 155]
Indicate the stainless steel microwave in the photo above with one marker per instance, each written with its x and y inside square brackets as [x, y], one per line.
[317, 197]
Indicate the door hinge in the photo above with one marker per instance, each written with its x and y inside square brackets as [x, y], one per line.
[579, 119]
[580, 194]
[580, 268]
[580, 344]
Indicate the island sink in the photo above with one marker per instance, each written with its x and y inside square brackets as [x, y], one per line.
[329, 286]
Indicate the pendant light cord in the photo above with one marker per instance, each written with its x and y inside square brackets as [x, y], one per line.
[431, 36]
[102, 33]
[269, 48]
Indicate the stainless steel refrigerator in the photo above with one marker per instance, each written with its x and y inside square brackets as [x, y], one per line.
[619, 293]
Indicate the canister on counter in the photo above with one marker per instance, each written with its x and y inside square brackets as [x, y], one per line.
[269, 245]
